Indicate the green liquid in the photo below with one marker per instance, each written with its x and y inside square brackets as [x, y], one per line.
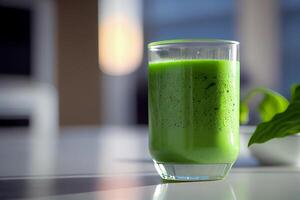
[194, 111]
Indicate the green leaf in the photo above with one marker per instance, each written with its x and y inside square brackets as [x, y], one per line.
[244, 113]
[271, 104]
[295, 92]
[282, 124]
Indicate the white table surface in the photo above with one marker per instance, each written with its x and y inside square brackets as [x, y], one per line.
[113, 163]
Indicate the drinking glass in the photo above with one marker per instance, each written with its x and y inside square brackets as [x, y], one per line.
[193, 93]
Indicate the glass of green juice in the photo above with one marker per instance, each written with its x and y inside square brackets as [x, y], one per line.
[193, 94]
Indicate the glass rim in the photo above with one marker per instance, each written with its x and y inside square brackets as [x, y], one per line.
[191, 41]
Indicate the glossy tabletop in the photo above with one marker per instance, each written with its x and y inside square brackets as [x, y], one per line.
[113, 163]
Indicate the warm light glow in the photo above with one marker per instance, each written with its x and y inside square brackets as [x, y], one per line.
[120, 44]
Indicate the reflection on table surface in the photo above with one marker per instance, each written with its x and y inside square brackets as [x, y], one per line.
[80, 151]
[114, 163]
[244, 184]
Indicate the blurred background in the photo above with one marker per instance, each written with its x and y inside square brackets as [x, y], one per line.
[84, 63]
[73, 84]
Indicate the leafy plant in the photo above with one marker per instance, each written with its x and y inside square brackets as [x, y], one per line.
[279, 117]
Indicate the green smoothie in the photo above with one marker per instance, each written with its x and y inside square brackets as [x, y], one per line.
[194, 111]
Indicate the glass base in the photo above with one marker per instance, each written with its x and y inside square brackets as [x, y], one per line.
[192, 172]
